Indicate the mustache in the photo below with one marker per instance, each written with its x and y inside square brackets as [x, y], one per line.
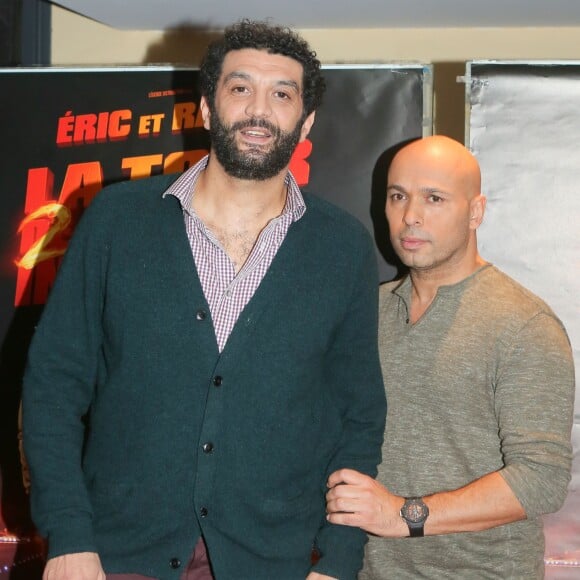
[410, 233]
[255, 122]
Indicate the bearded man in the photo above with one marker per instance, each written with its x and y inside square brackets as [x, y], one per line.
[208, 355]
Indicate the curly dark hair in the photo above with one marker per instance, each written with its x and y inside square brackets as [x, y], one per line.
[275, 40]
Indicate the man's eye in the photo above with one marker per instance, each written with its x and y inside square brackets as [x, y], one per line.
[435, 198]
[282, 95]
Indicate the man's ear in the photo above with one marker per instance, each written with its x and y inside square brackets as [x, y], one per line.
[476, 211]
[205, 112]
[306, 126]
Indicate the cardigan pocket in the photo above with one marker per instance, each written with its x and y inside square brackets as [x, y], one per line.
[293, 520]
[122, 516]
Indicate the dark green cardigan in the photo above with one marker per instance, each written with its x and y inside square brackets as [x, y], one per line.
[127, 340]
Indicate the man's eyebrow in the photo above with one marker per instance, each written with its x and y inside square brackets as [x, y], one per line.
[246, 77]
[428, 190]
[292, 84]
[433, 190]
[237, 75]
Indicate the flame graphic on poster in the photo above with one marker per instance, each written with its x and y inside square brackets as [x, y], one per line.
[40, 251]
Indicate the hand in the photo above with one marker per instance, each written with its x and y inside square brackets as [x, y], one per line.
[358, 500]
[317, 576]
[79, 566]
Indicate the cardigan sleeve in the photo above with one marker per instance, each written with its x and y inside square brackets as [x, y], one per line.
[58, 388]
[354, 368]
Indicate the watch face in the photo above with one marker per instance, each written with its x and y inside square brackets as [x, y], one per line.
[415, 511]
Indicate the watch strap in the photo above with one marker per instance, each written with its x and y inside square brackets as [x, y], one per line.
[416, 530]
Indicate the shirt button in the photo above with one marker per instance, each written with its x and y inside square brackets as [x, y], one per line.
[201, 314]
[217, 381]
[174, 563]
[207, 447]
[203, 512]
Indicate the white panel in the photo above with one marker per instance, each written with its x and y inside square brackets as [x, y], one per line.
[524, 127]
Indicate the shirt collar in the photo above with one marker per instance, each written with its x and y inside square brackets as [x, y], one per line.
[184, 189]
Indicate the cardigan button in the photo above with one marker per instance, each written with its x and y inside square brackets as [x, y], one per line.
[174, 563]
[203, 512]
[217, 381]
[207, 447]
[201, 314]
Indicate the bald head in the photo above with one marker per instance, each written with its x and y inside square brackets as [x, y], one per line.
[434, 207]
[444, 159]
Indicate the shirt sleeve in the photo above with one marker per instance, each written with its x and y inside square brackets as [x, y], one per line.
[354, 368]
[534, 405]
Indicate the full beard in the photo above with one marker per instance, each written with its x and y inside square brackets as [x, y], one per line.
[255, 163]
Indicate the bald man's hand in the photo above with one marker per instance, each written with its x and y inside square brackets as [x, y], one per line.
[360, 501]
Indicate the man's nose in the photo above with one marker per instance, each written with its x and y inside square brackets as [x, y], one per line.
[259, 105]
[413, 214]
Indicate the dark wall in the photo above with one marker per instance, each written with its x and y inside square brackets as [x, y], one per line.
[24, 32]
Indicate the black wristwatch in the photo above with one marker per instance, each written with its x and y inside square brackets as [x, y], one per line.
[415, 513]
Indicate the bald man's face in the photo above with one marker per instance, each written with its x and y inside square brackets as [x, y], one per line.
[432, 196]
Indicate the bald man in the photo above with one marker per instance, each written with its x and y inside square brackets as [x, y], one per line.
[480, 382]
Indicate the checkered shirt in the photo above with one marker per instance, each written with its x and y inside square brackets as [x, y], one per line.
[226, 292]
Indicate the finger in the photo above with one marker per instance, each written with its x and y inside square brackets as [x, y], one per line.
[355, 521]
[344, 519]
[345, 491]
[346, 505]
[345, 476]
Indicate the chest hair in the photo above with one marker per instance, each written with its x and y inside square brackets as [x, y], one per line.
[236, 242]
